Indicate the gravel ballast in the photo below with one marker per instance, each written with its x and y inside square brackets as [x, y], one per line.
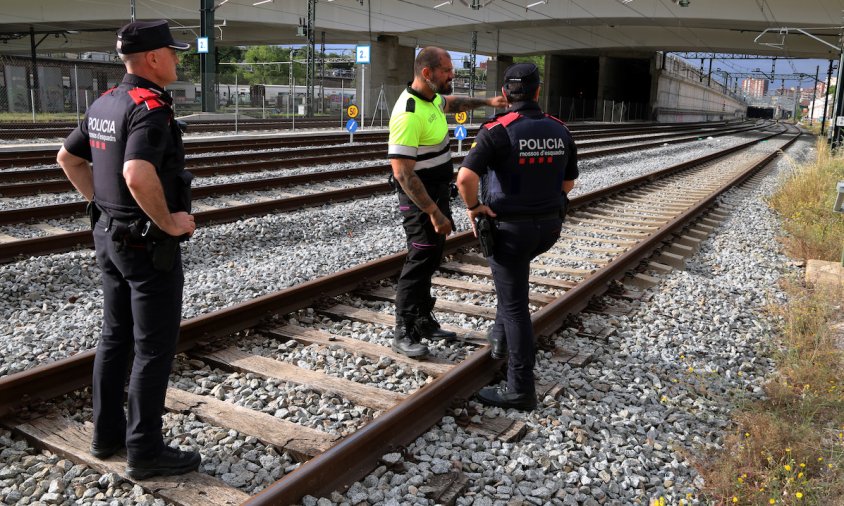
[616, 436]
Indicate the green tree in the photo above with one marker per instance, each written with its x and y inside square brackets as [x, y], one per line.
[266, 74]
[538, 60]
[189, 63]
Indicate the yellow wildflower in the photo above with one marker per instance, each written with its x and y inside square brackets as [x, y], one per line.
[799, 495]
[802, 464]
[820, 459]
[787, 467]
[772, 501]
[735, 499]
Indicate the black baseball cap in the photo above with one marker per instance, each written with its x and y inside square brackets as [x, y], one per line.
[521, 78]
[143, 36]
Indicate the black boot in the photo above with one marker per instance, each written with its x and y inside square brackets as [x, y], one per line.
[497, 344]
[105, 450]
[428, 326]
[169, 462]
[504, 398]
[406, 339]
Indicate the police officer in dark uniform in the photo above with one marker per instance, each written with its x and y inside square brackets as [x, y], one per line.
[139, 192]
[526, 162]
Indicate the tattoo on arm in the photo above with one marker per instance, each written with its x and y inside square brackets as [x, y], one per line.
[414, 189]
[411, 184]
[459, 104]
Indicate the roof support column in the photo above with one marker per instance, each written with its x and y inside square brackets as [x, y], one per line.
[495, 74]
[391, 66]
[207, 61]
[551, 98]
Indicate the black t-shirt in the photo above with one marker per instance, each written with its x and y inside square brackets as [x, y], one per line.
[145, 130]
[522, 160]
[121, 126]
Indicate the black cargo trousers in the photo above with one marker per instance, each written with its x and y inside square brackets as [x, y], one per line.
[517, 243]
[142, 311]
[424, 252]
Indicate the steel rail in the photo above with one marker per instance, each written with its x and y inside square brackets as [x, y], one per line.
[62, 376]
[56, 378]
[35, 130]
[64, 185]
[11, 251]
[195, 146]
[228, 164]
[21, 125]
[358, 453]
[275, 162]
[192, 147]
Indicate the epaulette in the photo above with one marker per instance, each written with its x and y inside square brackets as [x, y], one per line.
[503, 120]
[108, 90]
[148, 97]
[411, 105]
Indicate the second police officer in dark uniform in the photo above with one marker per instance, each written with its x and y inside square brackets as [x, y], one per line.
[526, 162]
[140, 192]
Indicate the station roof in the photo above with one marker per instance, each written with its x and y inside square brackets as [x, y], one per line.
[510, 27]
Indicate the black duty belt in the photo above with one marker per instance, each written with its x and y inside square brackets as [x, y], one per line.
[510, 218]
[104, 220]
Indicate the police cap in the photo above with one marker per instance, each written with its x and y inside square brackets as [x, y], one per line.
[143, 36]
[521, 78]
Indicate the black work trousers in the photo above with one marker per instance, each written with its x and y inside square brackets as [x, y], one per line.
[142, 310]
[516, 244]
[424, 253]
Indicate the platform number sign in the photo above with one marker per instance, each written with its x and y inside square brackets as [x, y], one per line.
[352, 111]
[460, 117]
[202, 45]
[362, 54]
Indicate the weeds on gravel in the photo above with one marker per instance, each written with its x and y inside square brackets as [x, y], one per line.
[789, 447]
[805, 201]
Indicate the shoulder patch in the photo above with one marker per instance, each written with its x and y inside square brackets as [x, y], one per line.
[146, 96]
[509, 118]
[108, 91]
[411, 105]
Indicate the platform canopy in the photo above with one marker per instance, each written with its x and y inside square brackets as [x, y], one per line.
[511, 27]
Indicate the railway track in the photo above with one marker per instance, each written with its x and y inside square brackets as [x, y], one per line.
[23, 131]
[37, 156]
[13, 182]
[653, 221]
[368, 181]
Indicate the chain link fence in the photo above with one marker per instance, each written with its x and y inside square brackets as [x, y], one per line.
[63, 89]
[52, 89]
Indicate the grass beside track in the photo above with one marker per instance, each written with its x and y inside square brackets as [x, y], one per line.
[789, 448]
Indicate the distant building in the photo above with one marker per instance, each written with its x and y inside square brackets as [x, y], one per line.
[754, 87]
